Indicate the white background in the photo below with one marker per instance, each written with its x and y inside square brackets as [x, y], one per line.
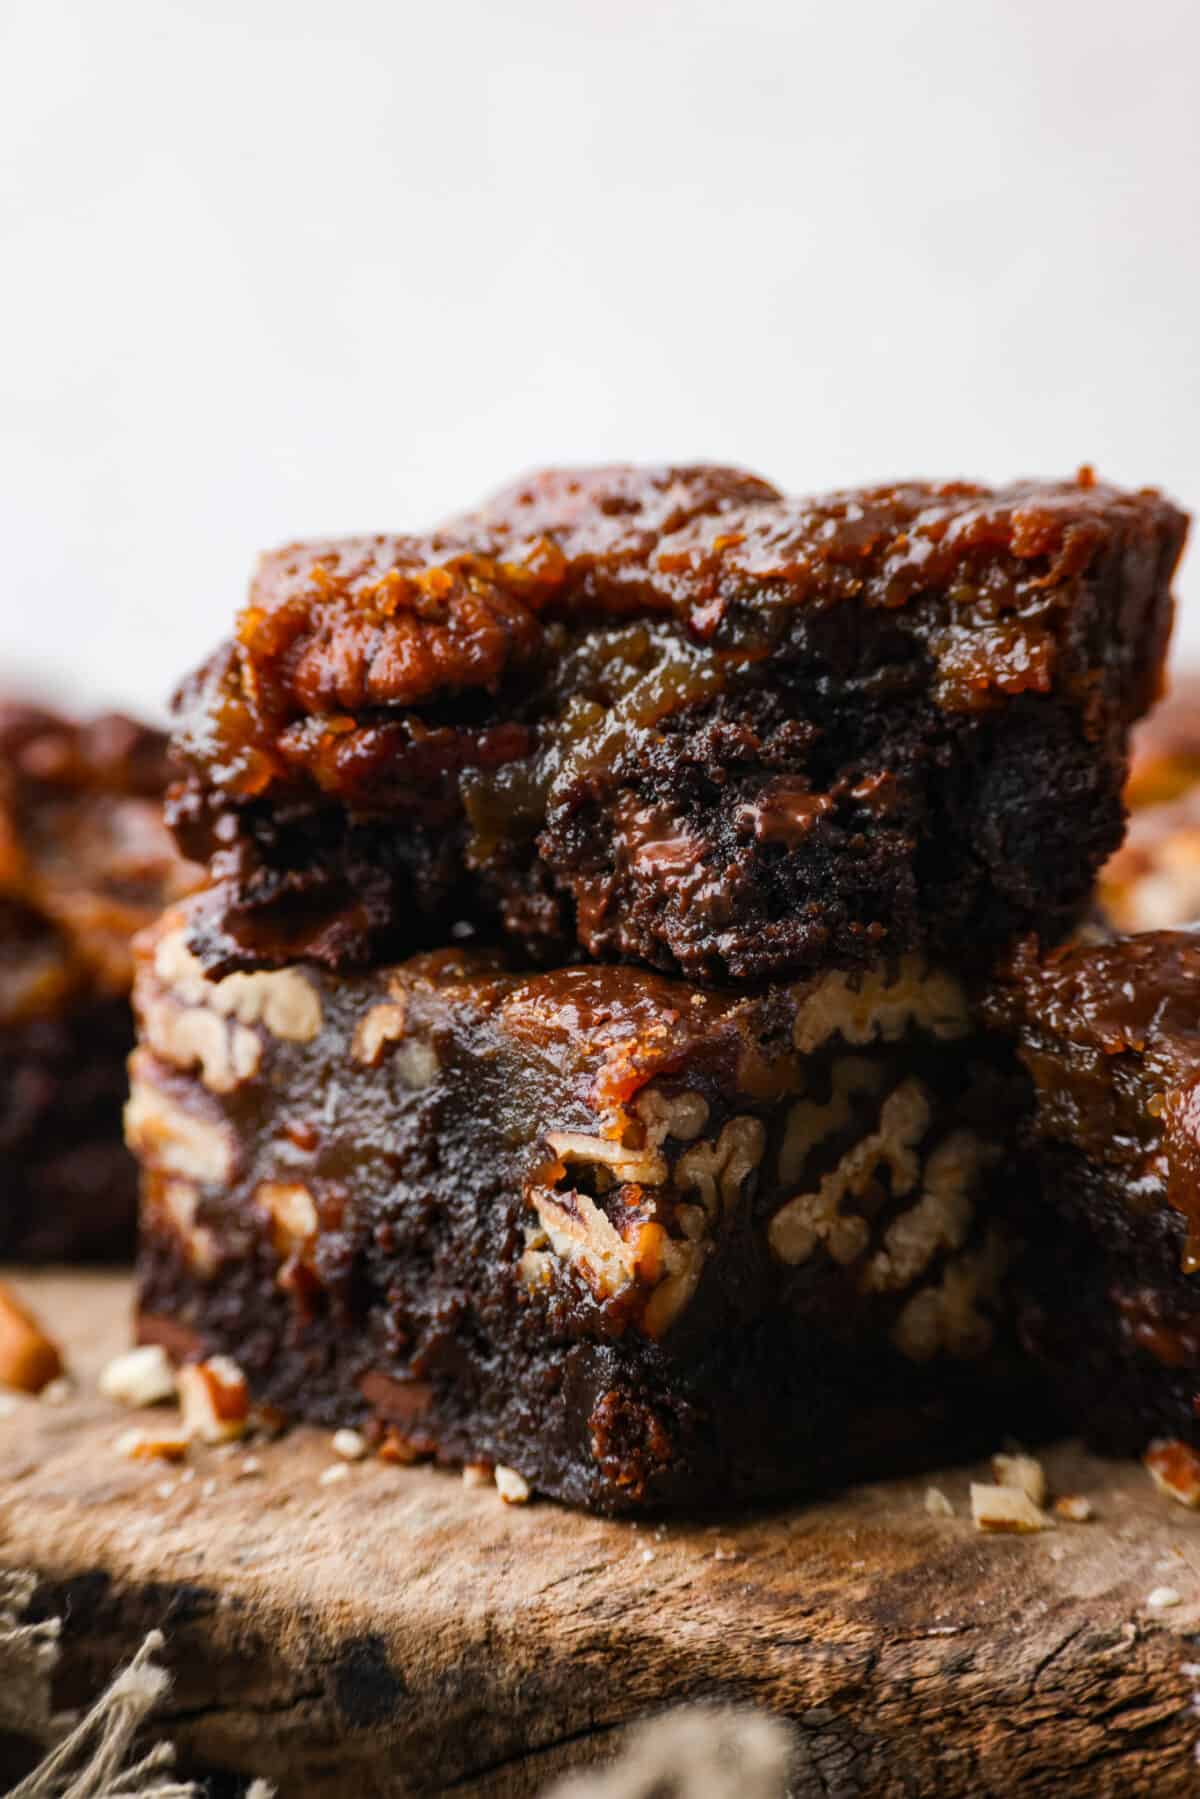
[273, 268]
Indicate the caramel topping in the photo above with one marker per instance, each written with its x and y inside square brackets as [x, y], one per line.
[979, 576]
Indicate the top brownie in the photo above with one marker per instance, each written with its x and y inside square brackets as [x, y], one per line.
[670, 715]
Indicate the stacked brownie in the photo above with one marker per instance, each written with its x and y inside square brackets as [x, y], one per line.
[85, 862]
[583, 1059]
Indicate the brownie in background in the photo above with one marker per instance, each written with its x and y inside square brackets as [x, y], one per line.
[1108, 1175]
[85, 862]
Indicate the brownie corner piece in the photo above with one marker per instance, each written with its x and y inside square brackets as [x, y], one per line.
[1108, 1288]
[85, 862]
[647, 1244]
[675, 717]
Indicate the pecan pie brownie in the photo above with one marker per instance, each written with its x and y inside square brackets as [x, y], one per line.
[669, 715]
[648, 1244]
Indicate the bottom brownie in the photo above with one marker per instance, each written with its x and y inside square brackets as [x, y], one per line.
[1108, 1291]
[646, 1244]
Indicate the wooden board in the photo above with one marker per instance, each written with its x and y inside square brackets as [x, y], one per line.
[396, 1632]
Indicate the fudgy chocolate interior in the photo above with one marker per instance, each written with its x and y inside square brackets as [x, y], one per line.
[738, 840]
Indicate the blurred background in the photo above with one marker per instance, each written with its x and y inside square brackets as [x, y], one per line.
[276, 268]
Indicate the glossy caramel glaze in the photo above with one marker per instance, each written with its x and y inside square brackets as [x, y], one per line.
[668, 714]
[341, 626]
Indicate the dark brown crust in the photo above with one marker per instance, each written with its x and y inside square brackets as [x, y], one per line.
[554, 1221]
[669, 715]
[85, 861]
[1110, 1293]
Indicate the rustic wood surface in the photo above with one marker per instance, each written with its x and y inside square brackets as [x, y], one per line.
[395, 1632]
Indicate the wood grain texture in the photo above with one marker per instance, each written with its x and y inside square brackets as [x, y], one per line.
[398, 1633]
